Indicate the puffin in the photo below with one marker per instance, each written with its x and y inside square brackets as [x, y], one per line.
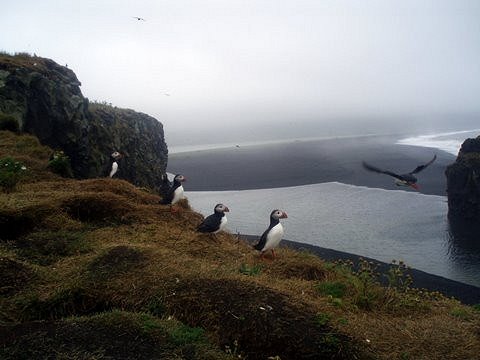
[115, 157]
[175, 194]
[273, 235]
[408, 179]
[216, 222]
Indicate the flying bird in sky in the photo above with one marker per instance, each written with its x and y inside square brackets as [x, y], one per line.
[138, 18]
[408, 179]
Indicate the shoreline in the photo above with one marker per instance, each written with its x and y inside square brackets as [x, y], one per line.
[300, 163]
[465, 293]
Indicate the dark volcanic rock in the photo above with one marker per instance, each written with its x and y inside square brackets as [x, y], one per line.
[463, 182]
[46, 100]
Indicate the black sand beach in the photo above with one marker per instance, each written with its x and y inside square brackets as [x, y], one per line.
[308, 162]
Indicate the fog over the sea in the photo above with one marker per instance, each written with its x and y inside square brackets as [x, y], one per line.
[219, 70]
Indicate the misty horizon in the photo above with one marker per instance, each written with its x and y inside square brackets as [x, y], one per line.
[332, 127]
[217, 70]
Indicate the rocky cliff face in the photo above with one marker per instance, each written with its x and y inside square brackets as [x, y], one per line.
[46, 100]
[463, 182]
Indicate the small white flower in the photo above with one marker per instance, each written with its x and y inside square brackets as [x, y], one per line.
[367, 340]
[24, 167]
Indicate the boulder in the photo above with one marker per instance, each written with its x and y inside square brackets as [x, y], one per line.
[463, 182]
[45, 99]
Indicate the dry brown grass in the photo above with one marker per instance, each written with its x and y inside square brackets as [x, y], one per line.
[143, 257]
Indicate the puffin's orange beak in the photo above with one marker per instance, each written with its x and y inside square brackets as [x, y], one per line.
[226, 209]
[284, 215]
[415, 186]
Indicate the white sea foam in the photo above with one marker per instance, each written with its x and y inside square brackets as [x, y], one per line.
[447, 141]
[376, 223]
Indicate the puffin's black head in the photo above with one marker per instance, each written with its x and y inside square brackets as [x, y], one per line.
[411, 181]
[179, 178]
[116, 155]
[220, 208]
[278, 214]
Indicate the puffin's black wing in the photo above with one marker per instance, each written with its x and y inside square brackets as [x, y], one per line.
[263, 241]
[209, 224]
[168, 197]
[165, 186]
[380, 171]
[421, 167]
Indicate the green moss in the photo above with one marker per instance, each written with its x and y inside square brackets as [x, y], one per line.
[335, 289]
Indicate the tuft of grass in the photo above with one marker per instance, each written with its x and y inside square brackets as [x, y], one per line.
[398, 277]
[183, 334]
[322, 319]
[15, 276]
[254, 270]
[75, 300]
[98, 208]
[59, 163]
[115, 261]
[335, 289]
[47, 247]
[365, 282]
[11, 172]
[460, 313]
[18, 222]
[156, 307]
[8, 122]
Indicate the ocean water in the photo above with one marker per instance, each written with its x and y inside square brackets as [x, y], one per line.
[369, 221]
[382, 224]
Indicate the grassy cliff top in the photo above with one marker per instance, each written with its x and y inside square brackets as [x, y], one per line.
[98, 269]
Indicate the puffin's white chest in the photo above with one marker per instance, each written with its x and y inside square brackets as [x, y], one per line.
[177, 194]
[223, 223]
[274, 237]
[114, 168]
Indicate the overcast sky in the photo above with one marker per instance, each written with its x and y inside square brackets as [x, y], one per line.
[261, 65]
